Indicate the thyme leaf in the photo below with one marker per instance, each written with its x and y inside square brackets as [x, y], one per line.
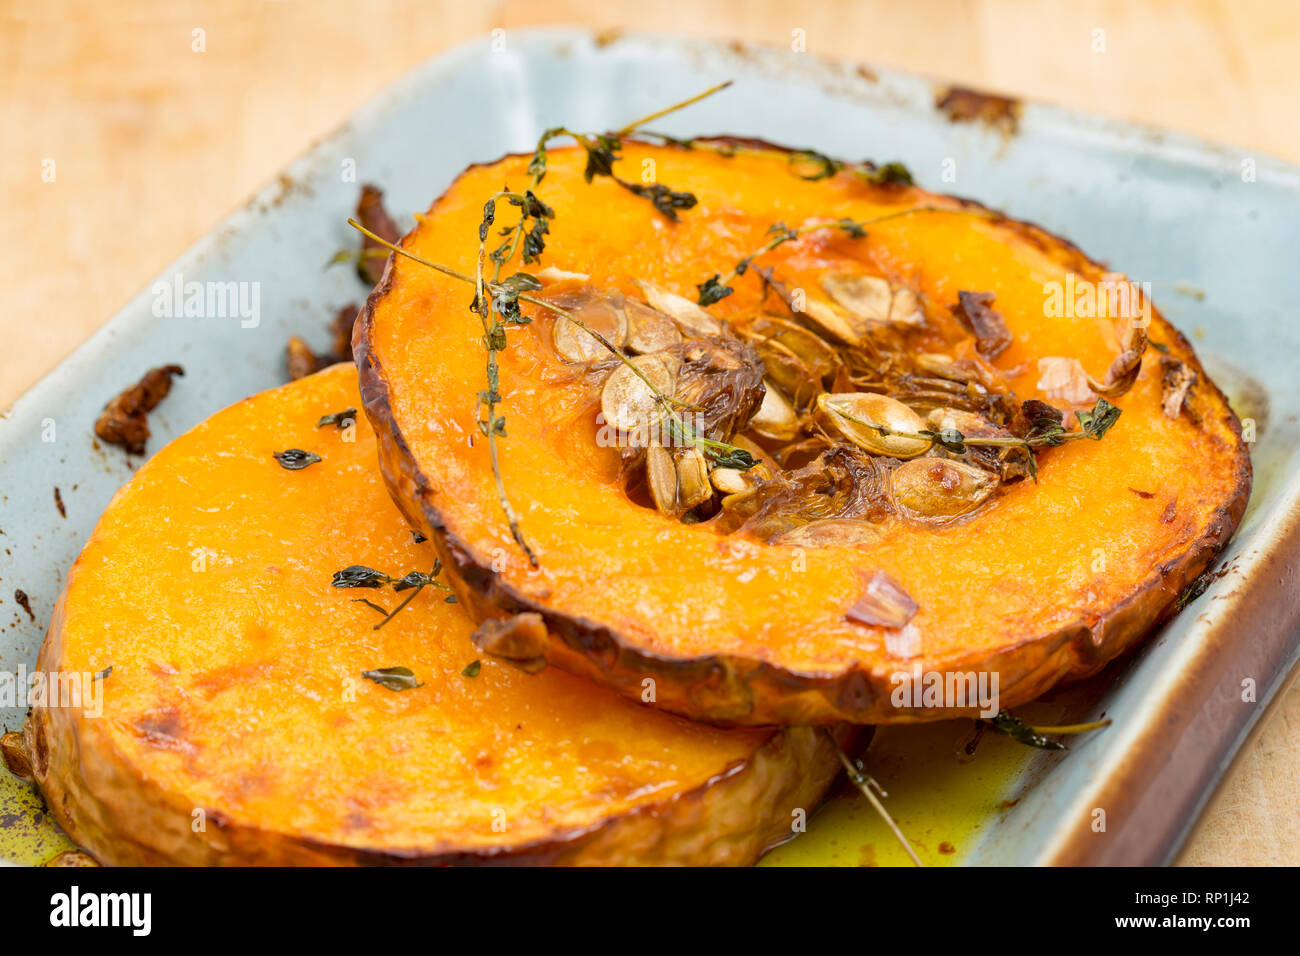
[339, 420]
[712, 290]
[394, 678]
[295, 459]
[360, 576]
[1097, 422]
[810, 165]
[1021, 732]
[893, 173]
[472, 669]
[665, 200]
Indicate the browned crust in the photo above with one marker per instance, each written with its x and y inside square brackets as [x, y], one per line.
[733, 690]
[125, 820]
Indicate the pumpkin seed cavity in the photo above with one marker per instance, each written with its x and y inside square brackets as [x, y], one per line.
[814, 422]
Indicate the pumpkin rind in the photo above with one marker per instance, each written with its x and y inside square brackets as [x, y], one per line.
[237, 729]
[722, 651]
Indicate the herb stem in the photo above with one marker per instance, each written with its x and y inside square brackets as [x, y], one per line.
[1070, 728]
[783, 236]
[863, 783]
[657, 114]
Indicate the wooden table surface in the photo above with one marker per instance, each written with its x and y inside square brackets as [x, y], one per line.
[154, 143]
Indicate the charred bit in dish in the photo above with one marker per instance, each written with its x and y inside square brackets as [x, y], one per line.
[124, 419]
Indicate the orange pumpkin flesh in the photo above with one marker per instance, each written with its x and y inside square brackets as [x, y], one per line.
[1050, 581]
[237, 727]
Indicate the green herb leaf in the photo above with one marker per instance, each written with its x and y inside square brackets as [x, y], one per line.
[100, 675]
[732, 457]
[602, 153]
[394, 678]
[851, 228]
[295, 459]
[665, 200]
[360, 576]
[889, 174]
[1199, 586]
[472, 669]
[811, 165]
[711, 290]
[338, 419]
[1021, 732]
[948, 438]
[1097, 422]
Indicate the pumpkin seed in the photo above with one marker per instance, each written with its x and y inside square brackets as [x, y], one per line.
[600, 313]
[787, 371]
[649, 330]
[683, 311]
[1176, 381]
[678, 478]
[944, 366]
[661, 476]
[852, 414]
[938, 488]
[1123, 372]
[862, 296]
[830, 533]
[693, 486]
[776, 418]
[820, 357]
[905, 309]
[829, 319]
[552, 274]
[627, 402]
[732, 481]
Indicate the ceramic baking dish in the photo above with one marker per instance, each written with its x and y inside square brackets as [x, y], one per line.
[1213, 229]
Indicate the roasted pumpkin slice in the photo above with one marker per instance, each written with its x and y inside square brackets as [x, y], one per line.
[236, 708]
[979, 453]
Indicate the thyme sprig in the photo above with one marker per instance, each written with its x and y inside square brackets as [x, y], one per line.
[868, 787]
[496, 300]
[820, 166]
[1035, 737]
[1044, 431]
[603, 152]
[807, 164]
[715, 288]
[360, 576]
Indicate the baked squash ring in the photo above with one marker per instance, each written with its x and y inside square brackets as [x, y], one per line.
[235, 725]
[1044, 581]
